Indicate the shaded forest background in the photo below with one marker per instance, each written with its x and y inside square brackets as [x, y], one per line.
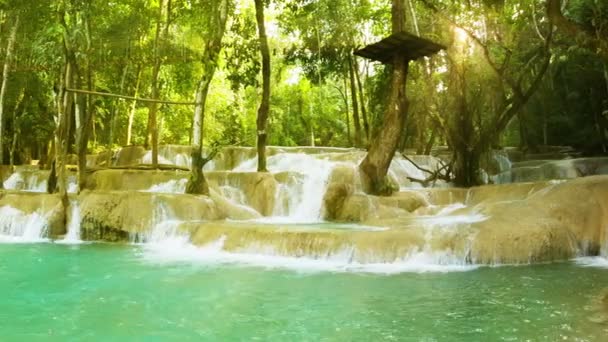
[320, 93]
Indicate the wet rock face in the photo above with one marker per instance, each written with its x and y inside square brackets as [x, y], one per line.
[114, 216]
[334, 199]
[359, 246]
[130, 155]
[542, 170]
[259, 189]
[554, 222]
[509, 224]
[131, 180]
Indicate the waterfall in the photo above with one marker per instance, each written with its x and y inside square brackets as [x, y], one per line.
[14, 182]
[256, 255]
[503, 175]
[35, 181]
[301, 199]
[17, 226]
[164, 226]
[400, 169]
[234, 195]
[26, 181]
[173, 186]
[73, 224]
[147, 159]
[164, 239]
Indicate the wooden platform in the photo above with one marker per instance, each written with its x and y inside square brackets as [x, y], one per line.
[403, 44]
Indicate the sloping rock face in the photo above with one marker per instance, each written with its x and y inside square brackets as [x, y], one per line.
[507, 224]
[131, 180]
[344, 200]
[259, 189]
[542, 170]
[130, 155]
[118, 216]
[357, 246]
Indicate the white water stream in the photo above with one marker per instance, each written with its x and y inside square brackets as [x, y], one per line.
[35, 181]
[73, 224]
[19, 227]
[301, 199]
[214, 254]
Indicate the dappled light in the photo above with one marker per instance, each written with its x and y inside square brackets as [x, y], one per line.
[304, 170]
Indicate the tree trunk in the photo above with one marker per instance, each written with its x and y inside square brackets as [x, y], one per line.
[5, 75]
[160, 38]
[57, 182]
[115, 108]
[262, 120]
[84, 108]
[466, 166]
[355, 103]
[431, 142]
[374, 167]
[133, 107]
[197, 183]
[19, 108]
[347, 109]
[362, 103]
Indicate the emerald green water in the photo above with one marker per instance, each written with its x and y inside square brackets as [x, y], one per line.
[113, 292]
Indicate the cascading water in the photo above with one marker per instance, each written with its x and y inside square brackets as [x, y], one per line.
[174, 186]
[73, 225]
[233, 194]
[503, 175]
[300, 200]
[17, 226]
[29, 181]
[35, 181]
[147, 159]
[400, 169]
[165, 239]
[164, 227]
[302, 183]
[256, 255]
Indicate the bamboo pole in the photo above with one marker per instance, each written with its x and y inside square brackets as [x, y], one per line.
[80, 91]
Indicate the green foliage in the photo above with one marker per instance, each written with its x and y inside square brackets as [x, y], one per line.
[310, 41]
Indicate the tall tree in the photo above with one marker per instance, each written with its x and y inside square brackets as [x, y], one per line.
[374, 167]
[479, 117]
[262, 120]
[5, 75]
[162, 32]
[218, 12]
[355, 102]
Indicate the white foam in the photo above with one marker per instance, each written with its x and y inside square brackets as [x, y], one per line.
[400, 169]
[73, 233]
[451, 208]
[19, 227]
[450, 220]
[173, 186]
[600, 262]
[300, 200]
[147, 159]
[73, 187]
[29, 181]
[180, 251]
